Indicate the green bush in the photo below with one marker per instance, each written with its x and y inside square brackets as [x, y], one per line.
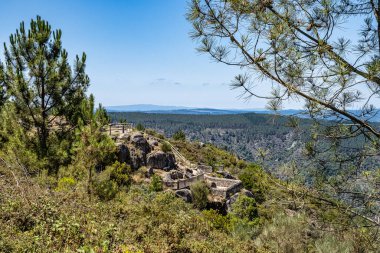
[65, 184]
[245, 208]
[179, 136]
[156, 184]
[120, 173]
[165, 147]
[160, 136]
[216, 220]
[199, 191]
[140, 127]
[254, 179]
[106, 190]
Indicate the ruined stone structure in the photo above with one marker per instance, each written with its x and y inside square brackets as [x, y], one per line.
[223, 187]
[183, 183]
[137, 149]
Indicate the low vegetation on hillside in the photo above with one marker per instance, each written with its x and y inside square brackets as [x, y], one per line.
[57, 213]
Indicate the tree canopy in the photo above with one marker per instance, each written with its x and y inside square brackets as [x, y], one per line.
[40, 82]
[298, 47]
[323, 54]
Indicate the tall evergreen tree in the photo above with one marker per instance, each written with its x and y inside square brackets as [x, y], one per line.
[40, 81]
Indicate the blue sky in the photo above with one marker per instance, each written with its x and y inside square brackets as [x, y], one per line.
[138, 52]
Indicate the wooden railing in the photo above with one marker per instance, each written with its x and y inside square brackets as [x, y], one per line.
[122, 127]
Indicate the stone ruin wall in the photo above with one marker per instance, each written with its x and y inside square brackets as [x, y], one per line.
[184, 183]
[224, 187]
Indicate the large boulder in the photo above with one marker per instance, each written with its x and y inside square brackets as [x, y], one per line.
[161, 160]
[138, 159]
[175, 175]
[185, 194]
[140, 143]
[124, 154]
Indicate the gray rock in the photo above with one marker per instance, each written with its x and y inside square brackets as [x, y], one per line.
[124, 154]
[167, 177]
[150, 172]
[225, 174]
[161, 160]
[137, 159]
[248, 193]
[185, 194]
[205, 168]
[153, 143]
[231, 201]
[175, 175]
[141, 143]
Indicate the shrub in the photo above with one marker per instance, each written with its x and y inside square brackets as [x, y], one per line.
[106, 190]
[165, 147]
[65, 183]
[245, 208]
[199, 191]
[120, 173]
[160, 136]
[110, 181]
[179, 136]
[216, 219]
[254, 179]
[140, 127]
[151, 132]
[156, 184]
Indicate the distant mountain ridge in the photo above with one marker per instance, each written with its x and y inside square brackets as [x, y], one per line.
[163, 109]
[149, 108]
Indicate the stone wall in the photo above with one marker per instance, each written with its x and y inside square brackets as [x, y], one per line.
[183, 183]
[205, 168]
[223, 187]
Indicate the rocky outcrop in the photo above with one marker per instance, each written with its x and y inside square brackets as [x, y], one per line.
[175, 175]
[138, 159]
[140, 143]
[153, 144]
[124, 154]
[225, 174]
[161, 160]
[185, 194]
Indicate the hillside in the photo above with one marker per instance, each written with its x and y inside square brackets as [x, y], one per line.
[242, 134]
[47, 214]
[262, 138]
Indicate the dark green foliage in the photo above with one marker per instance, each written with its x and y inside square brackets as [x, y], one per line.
[245, 208]
[120, 173]
[140, 127]
[112, 180]
[165, 147]
[179, 136]
[156, 184]
[106, 190]
[102, 116]
[3, 91]
[200, 192]
[254, 179]
[36, 61]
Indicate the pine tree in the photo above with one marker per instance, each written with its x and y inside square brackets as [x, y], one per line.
[40, 82]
